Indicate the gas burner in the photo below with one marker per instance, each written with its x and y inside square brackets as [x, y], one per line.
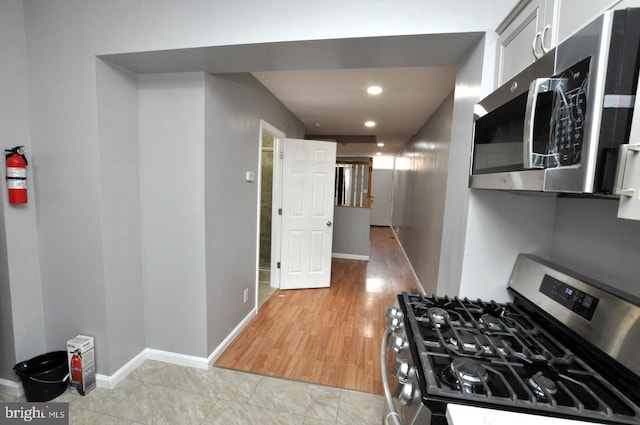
[462, 340]
[491, 322]
[469, 371]
[439, 316]
[542, 386]
[465, 374]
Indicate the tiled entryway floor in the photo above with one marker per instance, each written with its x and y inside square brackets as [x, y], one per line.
[158, 393]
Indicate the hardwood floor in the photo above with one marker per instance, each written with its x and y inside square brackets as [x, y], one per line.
[332, 335]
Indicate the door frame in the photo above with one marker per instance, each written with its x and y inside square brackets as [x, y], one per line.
[277, 135]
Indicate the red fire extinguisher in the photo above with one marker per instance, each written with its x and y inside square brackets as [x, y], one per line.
[16, 175]
[76, 369]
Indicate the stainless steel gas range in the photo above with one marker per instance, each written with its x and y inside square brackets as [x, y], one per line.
[566, 347]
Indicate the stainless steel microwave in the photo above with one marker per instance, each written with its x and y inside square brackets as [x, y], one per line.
[558, 125]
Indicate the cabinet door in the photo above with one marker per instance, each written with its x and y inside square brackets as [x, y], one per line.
[574, 14]
[516, 42]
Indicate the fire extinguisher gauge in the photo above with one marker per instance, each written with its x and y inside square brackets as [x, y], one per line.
[18, 150]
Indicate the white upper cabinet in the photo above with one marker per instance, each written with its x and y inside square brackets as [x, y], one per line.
[535, 26]
[526, 34]
[574, 14]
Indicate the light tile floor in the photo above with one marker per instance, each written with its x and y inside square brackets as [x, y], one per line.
[264, 292]
[158, 393]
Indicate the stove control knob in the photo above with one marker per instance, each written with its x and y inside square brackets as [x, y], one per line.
[394, 318]
[392, 312]
[395, 323]
[406, 393]
[401, 370]
[399, 344]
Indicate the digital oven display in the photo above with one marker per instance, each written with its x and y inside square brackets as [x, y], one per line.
[575, 300]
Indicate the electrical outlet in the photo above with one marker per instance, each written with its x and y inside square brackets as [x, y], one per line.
[246, 295]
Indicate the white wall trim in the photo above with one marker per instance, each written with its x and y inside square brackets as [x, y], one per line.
[393, 229]
[109, 382]
[12, 388]
[217, 352]
[350, 256]
[177, 358]
[276, 202]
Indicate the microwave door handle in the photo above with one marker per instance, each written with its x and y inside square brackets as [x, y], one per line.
[531, 159]
[529, 120]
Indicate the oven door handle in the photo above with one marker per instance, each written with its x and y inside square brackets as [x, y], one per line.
[531, 159]
[393, 414]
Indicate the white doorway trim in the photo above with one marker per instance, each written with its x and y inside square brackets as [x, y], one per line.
[277, 135]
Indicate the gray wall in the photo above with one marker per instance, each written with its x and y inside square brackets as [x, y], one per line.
[7, 350]
[64, 135]
[121, 221]
[588, 238]
[351, 228]
[580, 234]
[456, 208]
[172, 137]
[483, 231]
[75, 258]
[500, 226]
[22, 327]
[462, 242]
[419, 195]
[235, 103]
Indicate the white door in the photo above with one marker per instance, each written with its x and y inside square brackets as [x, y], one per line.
[308, 171]
[381, 189]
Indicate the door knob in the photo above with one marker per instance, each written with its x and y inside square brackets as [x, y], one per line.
[329, 224]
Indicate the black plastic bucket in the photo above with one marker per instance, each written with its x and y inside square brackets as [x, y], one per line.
[44, 377]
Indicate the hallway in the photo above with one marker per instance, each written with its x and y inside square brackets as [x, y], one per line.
[328, 336]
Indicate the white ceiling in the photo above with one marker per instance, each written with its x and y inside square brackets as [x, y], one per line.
[337, 101]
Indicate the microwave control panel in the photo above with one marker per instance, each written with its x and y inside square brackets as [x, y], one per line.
[574, 299]
[568, 113]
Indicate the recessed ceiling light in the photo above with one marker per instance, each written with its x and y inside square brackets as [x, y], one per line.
[378, 153]
[380, 144]
[370, 124]
[374, 90]
[317, 125]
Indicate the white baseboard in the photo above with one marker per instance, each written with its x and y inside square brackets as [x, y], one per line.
[217, 352]
[177, 358]
[12, 388]
[408, 261]
[110, 381]
[350, 256]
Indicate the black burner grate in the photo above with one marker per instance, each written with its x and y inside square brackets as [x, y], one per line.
[484, 353]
